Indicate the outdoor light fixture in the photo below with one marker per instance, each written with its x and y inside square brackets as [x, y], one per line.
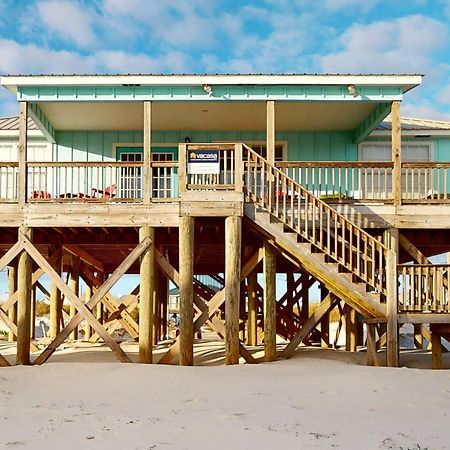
[187, 139]
[208, 89]
[352, 89]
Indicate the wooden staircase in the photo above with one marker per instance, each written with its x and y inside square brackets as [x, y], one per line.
[352, 264]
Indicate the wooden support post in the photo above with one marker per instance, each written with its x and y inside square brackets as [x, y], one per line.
[436, 350]
[186, 263]
[391, 240]
[24, 272]
[350, 328]
[12, 287]
[22, 153]
[418, 337]
[372, 359]
[304, 313]
[325, 322]
[270, 138]
[233, 231]
[252, 307]
[396, 153]
[147, 274]
[87, 327]
[156, 323]
[270, 321]
[164, 300]
[74, 286]
[147, 182]
[33, 310]
[55, 296]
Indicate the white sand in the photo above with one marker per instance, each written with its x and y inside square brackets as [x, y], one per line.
[315, 400]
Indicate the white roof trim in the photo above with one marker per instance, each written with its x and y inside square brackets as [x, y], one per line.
[424, 133]
[15, 133]
[407, 81]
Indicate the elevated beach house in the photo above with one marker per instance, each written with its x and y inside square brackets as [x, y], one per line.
[210, 180]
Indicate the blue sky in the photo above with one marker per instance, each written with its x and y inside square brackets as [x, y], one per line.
[209, 36]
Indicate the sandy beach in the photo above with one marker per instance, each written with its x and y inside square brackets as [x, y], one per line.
[320, 399]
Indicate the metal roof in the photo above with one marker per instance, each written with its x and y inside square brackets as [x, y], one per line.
[12, 123]
[410, 123]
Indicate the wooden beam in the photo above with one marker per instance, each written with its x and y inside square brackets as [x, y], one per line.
[436, 352]
[186, 265]
[55, 294]
[371, 122]
[326, 305]
[325, 322]
[87, 327]
[233, 231]
[147, 274]
[22, 154]
[147, 181]
[270, 130]
[85, 256]
[252, 308]
[74, 285]
[371, 347]
[391, 241]
[350, 328]
[24, 269]
[270, 320]
[396, 140]
[12, 287]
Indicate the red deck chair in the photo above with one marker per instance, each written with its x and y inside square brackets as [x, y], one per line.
[108, 192]
[41, 194]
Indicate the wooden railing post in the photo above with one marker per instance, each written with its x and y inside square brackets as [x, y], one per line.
[147, 181]
[238, 168]
[22, 153]
[182, 168]
[391, 240]
[396, 140]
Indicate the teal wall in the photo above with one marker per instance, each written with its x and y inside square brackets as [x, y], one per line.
[307, 146]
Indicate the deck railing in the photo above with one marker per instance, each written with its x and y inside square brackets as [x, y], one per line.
[342, 180]
[8, 181]
[317, 222]
[423, 287]
[99, 181]
[422, 182]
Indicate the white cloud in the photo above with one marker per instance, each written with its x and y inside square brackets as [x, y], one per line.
[8, 104]
[68, 20]
[423, 110]
[18, 58]
[402, 45]
[334, 5]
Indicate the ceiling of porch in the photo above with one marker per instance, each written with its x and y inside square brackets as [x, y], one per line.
[207, 116]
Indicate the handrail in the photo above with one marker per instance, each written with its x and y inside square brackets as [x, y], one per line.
[326, 164]
[316, 221]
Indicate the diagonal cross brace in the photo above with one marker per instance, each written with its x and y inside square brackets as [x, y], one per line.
[84, 311]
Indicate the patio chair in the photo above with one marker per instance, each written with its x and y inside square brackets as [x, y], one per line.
[41, 194]
[108, 192]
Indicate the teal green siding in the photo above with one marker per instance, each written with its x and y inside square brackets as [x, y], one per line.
[302, 146]
[197, 93]
[442, 149]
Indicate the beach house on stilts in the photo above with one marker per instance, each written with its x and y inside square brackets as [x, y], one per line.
[209, 181]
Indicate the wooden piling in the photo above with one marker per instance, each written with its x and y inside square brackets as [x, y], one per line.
[252, 307]
[87, 327]
[270, 324]
[350, 328]
[74, 285]
[147, 274]
[186, 263]
[325, 322]
[233, 231]
[24, 274]
[55, 295]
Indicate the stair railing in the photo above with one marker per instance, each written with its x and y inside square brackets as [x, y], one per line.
[316, 222]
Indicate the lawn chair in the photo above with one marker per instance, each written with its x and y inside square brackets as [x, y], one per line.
[109, 192]
[41, 194]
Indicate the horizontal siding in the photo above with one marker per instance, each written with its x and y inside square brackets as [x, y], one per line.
[302, 146]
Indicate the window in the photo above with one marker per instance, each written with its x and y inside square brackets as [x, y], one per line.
[131, 177]
[261, 149]
[161, 176]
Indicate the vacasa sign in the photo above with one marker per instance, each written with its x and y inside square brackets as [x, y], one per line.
[203, 161]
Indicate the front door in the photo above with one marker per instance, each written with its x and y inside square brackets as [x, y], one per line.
[164, 178]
